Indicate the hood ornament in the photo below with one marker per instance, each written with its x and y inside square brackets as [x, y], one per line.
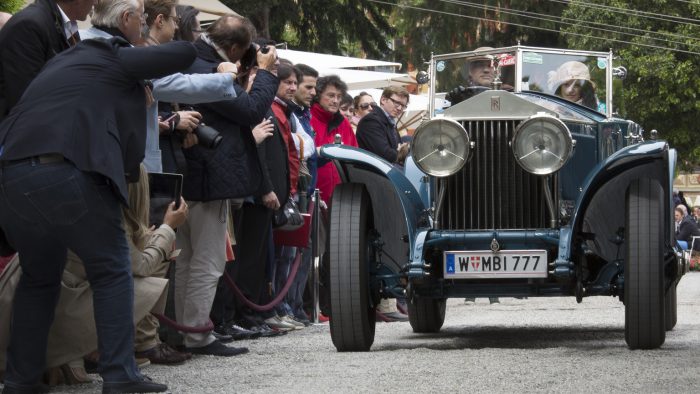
[495, 246]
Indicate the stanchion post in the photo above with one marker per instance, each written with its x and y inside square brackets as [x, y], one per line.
[316, 248]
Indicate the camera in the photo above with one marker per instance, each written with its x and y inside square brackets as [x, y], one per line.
[250, 57]
[207, 136]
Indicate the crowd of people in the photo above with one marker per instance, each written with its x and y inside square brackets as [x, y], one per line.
[687, 222]
[87, 115]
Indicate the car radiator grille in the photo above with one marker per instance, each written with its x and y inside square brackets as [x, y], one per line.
[492, 191]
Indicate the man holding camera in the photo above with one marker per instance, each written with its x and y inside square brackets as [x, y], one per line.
[214, 176]
[121, 18]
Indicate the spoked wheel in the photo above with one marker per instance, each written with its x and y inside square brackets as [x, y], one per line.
[426, 315]
[353, 316]
[671, 308]
[645, 322]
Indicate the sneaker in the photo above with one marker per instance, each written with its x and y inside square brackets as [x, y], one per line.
[217, 348]
[237, 332]
[221, 335]
[297, 324]
[267, 331]
[278, 324]
[323, 318]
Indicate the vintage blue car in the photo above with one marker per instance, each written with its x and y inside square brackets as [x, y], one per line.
[531, 186]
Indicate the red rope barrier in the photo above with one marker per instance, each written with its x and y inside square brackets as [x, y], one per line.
[262, 308]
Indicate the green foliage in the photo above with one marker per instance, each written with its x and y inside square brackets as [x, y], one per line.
[327, 26]
[11, 6]
[430, 26]
[662, 85]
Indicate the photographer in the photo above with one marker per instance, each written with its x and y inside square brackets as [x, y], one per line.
[232, 170]
[64, 173]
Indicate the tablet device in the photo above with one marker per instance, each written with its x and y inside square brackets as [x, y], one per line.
[164, 189]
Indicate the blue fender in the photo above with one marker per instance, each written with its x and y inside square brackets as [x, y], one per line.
[624, 160]
[414, 208]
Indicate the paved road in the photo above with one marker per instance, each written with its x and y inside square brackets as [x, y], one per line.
[532, 345]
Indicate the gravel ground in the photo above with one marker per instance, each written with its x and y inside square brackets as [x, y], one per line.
[532, 345]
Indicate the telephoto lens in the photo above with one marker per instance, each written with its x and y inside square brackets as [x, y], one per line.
[208, 137]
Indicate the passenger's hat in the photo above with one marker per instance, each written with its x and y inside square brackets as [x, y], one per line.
[568, 71]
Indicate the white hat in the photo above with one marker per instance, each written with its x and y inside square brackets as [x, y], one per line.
[566, 72]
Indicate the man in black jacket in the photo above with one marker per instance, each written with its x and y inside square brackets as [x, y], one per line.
[32, 37]
[66, 150]
[232, 170]
[377, 132]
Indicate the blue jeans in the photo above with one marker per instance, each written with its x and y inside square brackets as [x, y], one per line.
[46, 209]
[295, 296]
[284, 256]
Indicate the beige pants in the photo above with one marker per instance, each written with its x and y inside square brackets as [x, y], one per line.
[202, 240]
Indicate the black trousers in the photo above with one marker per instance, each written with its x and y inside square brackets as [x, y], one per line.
[251, 225]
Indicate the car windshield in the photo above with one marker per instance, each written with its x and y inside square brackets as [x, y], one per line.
[574, 76]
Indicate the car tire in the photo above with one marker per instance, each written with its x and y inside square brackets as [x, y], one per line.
[671, 307]
[353, 316]
[426, 315]
[644, 275]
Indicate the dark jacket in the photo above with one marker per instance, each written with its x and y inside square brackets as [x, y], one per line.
[687, 230]
[28, 40]
[377, 134]
[233, 169]
[275, 165]
[89, 105]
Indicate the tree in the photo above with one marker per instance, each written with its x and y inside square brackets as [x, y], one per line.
[326, 26]
[431, 26]
[659, 47]
[11, 6]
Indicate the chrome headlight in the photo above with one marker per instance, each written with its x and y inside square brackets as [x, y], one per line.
[440, 147]
[542, 144]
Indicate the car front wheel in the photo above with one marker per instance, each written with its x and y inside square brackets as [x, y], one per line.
[645, 321]
[353, 317]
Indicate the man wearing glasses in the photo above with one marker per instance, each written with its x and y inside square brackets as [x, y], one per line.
[377, 132]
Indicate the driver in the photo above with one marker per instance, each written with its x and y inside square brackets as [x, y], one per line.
[481, 70]
[481, 74]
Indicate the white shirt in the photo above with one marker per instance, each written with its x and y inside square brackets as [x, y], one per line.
[69, 27]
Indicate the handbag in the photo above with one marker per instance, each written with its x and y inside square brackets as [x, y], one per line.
[287, 217]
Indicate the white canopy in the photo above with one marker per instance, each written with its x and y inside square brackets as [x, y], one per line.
[321, 61]
[209, 10]
[360, 79]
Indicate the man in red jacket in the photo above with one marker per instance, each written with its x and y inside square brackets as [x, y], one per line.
[327, 121]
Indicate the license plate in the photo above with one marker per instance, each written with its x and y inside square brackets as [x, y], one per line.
[502, 264]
